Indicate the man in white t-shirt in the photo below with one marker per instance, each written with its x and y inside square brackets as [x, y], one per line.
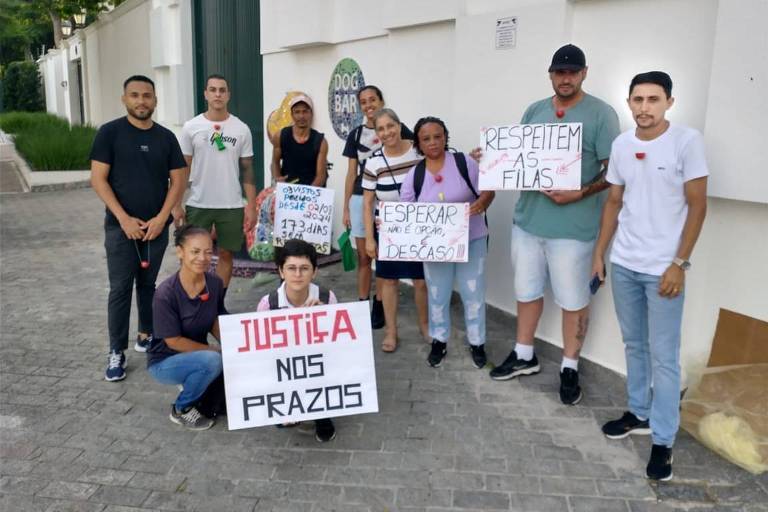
[656, 206]
[219, 149]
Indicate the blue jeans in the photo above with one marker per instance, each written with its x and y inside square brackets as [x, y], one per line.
[470, 279]
[650, 326]
[193, 370]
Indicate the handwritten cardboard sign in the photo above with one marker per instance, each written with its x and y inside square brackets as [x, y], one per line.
[304, 212]
[298, 364]
[434, 232]
[531, 157]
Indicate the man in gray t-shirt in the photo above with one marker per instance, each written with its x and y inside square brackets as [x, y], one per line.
[554, 230]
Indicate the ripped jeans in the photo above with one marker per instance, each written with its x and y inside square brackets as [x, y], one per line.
[470, 279]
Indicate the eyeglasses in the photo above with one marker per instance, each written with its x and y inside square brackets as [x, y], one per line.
[294, 269]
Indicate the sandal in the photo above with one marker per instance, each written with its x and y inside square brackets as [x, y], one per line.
[388, 346]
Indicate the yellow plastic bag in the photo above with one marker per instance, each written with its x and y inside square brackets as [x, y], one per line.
[727, 411]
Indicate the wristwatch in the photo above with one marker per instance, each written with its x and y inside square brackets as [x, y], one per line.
[683, 264]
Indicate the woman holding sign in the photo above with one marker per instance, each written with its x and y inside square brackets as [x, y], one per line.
[384, 172]
[362, 142]
[452, 178]
[186, 308]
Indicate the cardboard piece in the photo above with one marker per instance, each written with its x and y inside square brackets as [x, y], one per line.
[739, 339]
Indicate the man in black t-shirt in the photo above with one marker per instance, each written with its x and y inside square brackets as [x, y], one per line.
[132, 161]
[300, 153]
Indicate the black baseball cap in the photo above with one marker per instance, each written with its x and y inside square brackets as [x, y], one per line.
[568, 57]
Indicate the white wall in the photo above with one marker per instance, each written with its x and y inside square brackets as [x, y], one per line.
[438, 57]
[148, 37]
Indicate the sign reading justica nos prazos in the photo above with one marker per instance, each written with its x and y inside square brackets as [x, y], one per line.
[346, 81]
[303, 212]
[298, 364]
[434, 232]
[531, 157]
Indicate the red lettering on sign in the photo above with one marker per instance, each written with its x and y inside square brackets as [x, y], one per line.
[342, 316]
[318, 335]
[277, 331]
[245, 348]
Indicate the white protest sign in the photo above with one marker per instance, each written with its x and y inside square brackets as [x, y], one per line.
[434, 232]
[531, 157]
[303, 212]
[298, 364]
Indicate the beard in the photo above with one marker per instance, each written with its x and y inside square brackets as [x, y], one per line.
[142, 116]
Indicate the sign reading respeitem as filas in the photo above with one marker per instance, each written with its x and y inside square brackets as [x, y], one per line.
[531, 157]
[304, 212]
[298, 364]
[433, 232]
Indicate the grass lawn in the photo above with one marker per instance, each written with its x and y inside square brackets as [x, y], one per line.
[47, 142]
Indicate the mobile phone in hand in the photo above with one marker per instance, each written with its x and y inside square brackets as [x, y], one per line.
[594, 284]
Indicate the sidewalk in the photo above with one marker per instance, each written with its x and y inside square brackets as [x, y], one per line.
[449, 439]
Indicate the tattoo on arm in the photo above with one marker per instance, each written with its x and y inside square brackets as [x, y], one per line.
[597, 185]
[246, 171]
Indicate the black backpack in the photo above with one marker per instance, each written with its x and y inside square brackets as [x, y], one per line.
[324, 295]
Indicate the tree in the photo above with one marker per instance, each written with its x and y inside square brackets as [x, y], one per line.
[23, 31]
[21, 88]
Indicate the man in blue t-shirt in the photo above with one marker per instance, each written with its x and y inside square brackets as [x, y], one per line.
[554, 231]
[132, 161]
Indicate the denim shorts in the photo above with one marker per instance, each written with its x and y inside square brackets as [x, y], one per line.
[356, 216]
[567, 263]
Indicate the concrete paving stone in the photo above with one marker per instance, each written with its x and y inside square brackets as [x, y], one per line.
[128, 496]
[298, 473]
[68, 490]
[376, 498]
[18, 503]
[538, 503]
[427, 461]
[350, 476]
[261, 489]
[413, 497]
[51, 470]
[480, 463]
[743, 493]
[159, 500]
[317, 457]
[456, 480]
[75, 506]
[55, 453]
[637, 488]
[682, 492]
[101, 459]
[120, 508]
[513, 483]
[583, 469]
[650, 506]
[550, 467]
[314, 492]
[567, 486]
[89, 442]
[376, 460]
[17, 450]
[156, 482]
[207, 486]
[13, 467]
[105, 476]
[557, 453]
[483, 500]
[402, 478]
[24, 485]
[585, 504]
[269, 505]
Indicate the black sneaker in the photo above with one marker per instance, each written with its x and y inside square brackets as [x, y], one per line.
[324, 430]
[512, 367]
[570, 391]
[437, 354]
[660, 465]
[377, 314]
[626, 425]
[479, 358]
[142, 345]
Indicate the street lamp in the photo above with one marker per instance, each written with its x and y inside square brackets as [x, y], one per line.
[66, 28]
[80, 18]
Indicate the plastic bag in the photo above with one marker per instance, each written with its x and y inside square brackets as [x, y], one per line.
[727, 411]
[347, 253]
[259, 239]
